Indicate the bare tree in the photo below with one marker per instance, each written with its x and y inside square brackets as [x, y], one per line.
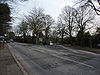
[5, 1]
[84, 17]
[68, 19]
[35, 21]
[54, 36]
[94, 4]
[97, 30]
[23, 28]
[61, 29]
[48, 21]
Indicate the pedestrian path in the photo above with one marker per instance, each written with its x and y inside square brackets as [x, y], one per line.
[8, 66]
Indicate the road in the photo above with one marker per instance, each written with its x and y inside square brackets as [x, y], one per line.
[55, 60]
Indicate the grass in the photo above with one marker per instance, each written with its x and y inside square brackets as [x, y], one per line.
[84, 48]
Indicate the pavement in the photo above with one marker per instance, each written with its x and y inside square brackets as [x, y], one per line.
[54, 60]
[8, 65]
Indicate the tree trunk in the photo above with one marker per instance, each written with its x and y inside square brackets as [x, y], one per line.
[62, 39]
[71, 39]
[82, 36]
[24, 37]
[34, 39]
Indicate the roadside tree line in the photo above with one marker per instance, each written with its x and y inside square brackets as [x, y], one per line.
[73, 27]
[38, 24]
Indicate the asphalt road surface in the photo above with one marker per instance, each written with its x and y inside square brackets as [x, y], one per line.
[55, 60]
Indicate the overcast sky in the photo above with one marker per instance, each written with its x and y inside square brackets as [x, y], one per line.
[51, 7]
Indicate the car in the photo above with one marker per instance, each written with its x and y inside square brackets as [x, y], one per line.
[51, 43]
[46, 42]
[2, 39]
[8, 41]
[11, 40]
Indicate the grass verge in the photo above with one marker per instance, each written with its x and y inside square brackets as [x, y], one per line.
[84, 48]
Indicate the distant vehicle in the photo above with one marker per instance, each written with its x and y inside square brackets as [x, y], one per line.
[98, 45]
[46, 42]
[11, 40]
[8, 41]
[51, 43]
[2, 41]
